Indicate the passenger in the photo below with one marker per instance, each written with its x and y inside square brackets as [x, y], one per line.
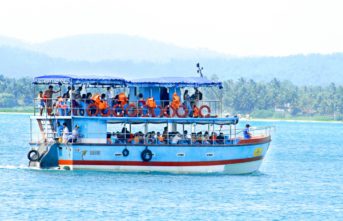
[74, 134]
[122, 99]
[96, 98]
[187, 102]
[220, 138]
[213, 138]
[186, 137]
[164, 97]
[141, 101]
[131, 138]
[151, 104]
[197, 96]
[160, 139]
[125, 134]
[152, 138]
[165, 134]
[108, 138]
[67, 93]
[193, 138]
[48, 97]
[199, 138]
[176, 101]
[40, 101]
[177, 138]
[89, 99]
[206, 138]
[110, 96]
[246, 132]
[78, 93]
[103, 105]
[196, 112]
[65, 133]
[59, 132]
[62, 107]
[83, 105]
[72, 93]
[136, 139]
[114, 138]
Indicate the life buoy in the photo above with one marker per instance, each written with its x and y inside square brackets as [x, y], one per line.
[91, 108]
[170, 109]
[33, 155]
[105, 112]
[125, 152]
[131, 110]
[208, 111]
[185, 111]
[115, 112]
[146, 155]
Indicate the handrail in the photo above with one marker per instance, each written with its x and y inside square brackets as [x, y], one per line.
[81, 107]
[168, 139]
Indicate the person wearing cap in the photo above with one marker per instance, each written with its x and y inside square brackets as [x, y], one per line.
[246, 132]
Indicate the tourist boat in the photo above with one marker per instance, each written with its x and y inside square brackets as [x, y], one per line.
[120, 138]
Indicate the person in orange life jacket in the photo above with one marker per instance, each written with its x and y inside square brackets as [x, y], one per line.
[176, 101]
[160, 138]
[196, 111]
[122, 99]
[96, 98]
[103, 103]
[151, 104]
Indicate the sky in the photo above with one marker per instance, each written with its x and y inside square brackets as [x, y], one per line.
[237, 27]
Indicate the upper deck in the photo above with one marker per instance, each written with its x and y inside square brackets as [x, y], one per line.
[83, 97]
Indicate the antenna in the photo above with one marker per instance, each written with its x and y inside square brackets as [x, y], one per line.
[200, 70]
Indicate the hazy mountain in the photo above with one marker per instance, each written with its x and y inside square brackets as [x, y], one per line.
[119, 58]
[98, 47]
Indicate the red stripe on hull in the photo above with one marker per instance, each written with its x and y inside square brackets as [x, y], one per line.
[140, 163]
[255, 140]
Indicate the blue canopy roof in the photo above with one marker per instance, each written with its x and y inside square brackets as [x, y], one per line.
[92, 80]
[112, 80]
[175, 82]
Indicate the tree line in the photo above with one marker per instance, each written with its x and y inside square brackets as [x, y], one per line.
[244, 96]
[280, 98]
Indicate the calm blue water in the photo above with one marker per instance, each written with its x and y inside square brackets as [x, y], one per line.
[301, 179]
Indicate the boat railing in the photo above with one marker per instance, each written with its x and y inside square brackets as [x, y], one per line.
[215, 137]
[88, 108]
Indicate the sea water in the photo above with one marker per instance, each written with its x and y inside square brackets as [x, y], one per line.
[300, 179]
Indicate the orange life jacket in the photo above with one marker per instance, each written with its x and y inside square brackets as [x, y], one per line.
[176, 101]
[160, 138]
[122, 98]
[195, 111]
[96, 99]
[150, 102]
[103, 105]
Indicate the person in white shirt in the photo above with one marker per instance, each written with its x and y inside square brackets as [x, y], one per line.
[110, 96]
[65, 133]
[74, 134]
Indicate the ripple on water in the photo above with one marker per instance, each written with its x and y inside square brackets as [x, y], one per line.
[300, 179]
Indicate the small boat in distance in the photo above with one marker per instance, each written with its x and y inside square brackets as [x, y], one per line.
[109, 123]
